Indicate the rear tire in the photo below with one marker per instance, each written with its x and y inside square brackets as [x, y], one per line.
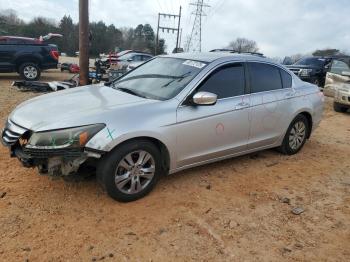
[296, 136]
[339, 108]
[125, 173]
[29, 71]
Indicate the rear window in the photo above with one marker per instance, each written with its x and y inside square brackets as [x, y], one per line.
[286, 79]
[264, 77]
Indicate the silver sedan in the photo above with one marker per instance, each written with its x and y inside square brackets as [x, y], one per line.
[172, 113]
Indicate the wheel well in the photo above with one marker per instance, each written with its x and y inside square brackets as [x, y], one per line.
[309, 120]
[22, 60]
[160, 145]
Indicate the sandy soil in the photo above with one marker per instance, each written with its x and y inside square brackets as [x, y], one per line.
[229, 211]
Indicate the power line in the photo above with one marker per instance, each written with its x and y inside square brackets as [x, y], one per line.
[194, 41]
[168, 28]
[160, 6]
[213, 10]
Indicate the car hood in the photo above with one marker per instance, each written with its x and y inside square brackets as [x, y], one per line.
[74, 107]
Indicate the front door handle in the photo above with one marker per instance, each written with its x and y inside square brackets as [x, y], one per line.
[242, 105]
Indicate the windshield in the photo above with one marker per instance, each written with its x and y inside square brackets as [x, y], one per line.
[311, 61]
[123, 52]
[161, 78]
[126, 56]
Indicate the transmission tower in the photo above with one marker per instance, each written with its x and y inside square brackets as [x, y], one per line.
[194, 42]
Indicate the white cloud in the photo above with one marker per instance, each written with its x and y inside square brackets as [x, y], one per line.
[279, 27]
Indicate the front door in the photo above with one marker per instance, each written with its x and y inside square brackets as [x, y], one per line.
[211, 132]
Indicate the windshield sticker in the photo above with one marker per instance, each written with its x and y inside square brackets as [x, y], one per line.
[194, 63]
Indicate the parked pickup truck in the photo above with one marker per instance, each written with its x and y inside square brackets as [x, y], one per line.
[27, 56]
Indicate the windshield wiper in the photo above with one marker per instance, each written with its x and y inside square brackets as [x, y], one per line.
[178, 78]
[129, 91]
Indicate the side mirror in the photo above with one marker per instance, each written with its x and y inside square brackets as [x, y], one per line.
[129, 60]
[345, 73]
[205, 99]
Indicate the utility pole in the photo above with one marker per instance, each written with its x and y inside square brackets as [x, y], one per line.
[178, 31]
[157, 37]
[168, 29]
[180, 37]
[84, 42]
[195, 38]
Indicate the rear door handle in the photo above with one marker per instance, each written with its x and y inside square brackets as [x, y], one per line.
[290, 94]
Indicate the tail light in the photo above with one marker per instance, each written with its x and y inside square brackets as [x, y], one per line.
[54, 54]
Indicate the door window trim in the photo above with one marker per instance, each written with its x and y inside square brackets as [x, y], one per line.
[271, 64]
[197, 85]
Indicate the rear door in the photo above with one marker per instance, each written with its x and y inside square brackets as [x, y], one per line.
[270, 103]
[210, 132]
[338, 75]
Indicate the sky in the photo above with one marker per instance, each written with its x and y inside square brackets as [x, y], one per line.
[279, 27]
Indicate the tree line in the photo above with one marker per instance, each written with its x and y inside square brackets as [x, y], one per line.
[246, 45]
[104, 38]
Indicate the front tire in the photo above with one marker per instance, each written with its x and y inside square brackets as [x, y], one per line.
[296, 136]
[339, 108]
[29, 71]
[130, 171]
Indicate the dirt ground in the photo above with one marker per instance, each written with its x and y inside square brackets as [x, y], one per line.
[234, 210]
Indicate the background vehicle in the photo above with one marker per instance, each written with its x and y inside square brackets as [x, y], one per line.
[172, 113]
[338, 85]
[313, 69]
[26, 56]
[70, 67]
[133, 65]
[124, 59]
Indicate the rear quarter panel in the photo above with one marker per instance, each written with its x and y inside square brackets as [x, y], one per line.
[308, 98]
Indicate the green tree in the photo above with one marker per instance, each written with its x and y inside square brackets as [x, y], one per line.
[326, 52]
[244, 45]
[104, 38]
[67, 42]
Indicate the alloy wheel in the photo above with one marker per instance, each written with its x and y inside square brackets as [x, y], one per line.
[30, 72]
[134, 172]
[297, 135]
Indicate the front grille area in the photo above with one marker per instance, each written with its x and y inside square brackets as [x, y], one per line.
[295, 70]
[11, 133]
[47, 153]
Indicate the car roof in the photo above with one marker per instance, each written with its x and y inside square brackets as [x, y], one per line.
[29, 39]
[18, 37]
[212, 56]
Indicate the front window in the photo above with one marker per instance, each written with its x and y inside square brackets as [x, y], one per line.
[161, 78]
[312, 61]
[338, 67]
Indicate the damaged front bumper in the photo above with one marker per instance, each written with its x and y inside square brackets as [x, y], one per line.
[54, 162]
